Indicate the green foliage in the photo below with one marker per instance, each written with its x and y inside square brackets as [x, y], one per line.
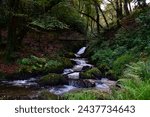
[120, 63]
[49, 23]
[135, 83]
[140, 70]
[66, 13]
[132, 89]
[86, 95]
[103, 56]
[46, 95]
[36, 64]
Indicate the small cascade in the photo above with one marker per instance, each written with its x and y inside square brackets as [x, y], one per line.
[75, 82]
[80, 52]
[74, 75]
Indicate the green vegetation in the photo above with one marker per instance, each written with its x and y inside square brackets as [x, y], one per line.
[35, 64]
[86, 95]
[46, 95]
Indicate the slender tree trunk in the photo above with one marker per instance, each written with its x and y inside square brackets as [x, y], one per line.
[11, 38]
[97, 18]
[117, 13]
[103, 15]
[92, 18]
[126, 7]
[120, 9]
[0, 36]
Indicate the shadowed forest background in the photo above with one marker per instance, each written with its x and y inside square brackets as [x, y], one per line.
[74, 49]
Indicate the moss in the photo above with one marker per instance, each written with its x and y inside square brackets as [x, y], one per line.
[70, 55]
[52, 79]
[93, 73]
[66, 62]
[110, 74]
[90, 94]
[46, 95]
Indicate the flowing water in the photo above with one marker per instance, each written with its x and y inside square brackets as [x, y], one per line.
[22, 89]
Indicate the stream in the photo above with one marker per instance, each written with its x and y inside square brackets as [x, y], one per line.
[29, 88]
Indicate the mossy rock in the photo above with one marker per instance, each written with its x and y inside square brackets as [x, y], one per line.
[67, 63]
[110, 75]
[86, 94]
[93, 73]
[103, 68]
[52, 79]
[70, 55]
[46, 95]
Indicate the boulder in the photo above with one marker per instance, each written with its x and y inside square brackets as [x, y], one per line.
[93, 73]
[52, 79]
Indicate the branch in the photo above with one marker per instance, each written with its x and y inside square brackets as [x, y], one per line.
[90, 17]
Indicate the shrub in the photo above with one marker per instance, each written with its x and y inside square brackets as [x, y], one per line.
[36, 64]
[120, 63]
[103, 56]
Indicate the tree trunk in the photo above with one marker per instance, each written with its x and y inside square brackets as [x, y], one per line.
[117, 13]
[126, 7]
[97, 18]
[120, 9]
[92, 18]
[0, 36]
[11, 38]
[103, 15]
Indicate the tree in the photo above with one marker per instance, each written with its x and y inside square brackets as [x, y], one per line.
[126, 7]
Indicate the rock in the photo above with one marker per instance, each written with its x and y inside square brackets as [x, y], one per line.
[86, 68]
[52, 79]
[110, 74]
[82, 83]
[70, 55]
[93, 73]
[105, 85]
[108, 82]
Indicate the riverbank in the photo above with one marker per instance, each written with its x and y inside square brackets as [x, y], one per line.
[81, 77]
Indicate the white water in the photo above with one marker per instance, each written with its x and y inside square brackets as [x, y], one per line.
[62, 89]
[75, 75]
[80, 52]
[28, 82]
